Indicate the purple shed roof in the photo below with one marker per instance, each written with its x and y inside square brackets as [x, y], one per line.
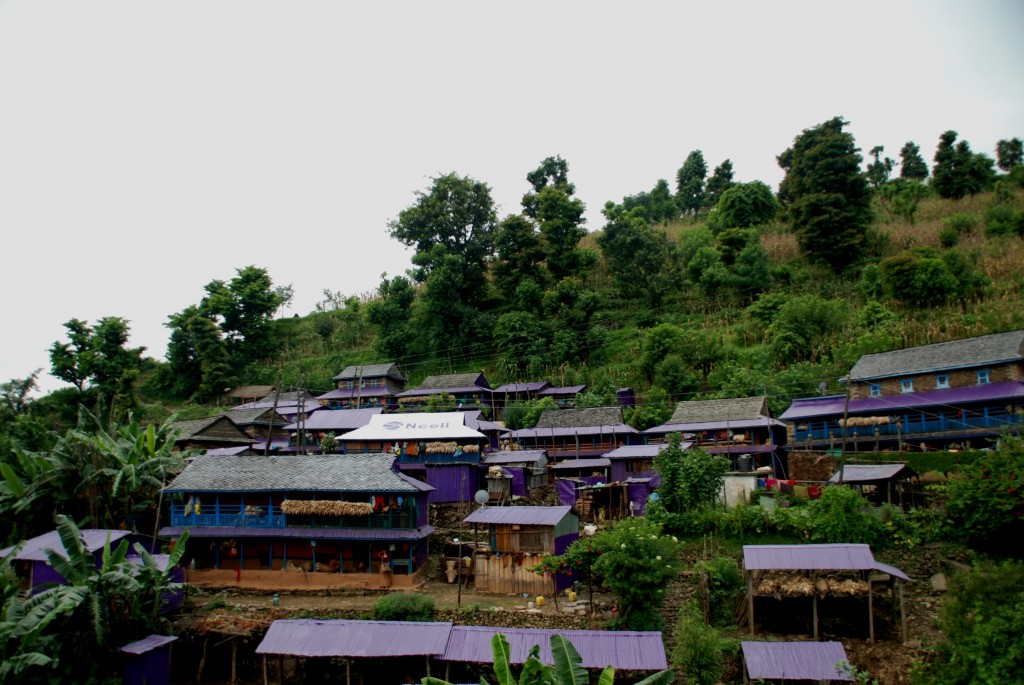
[571, 431]
[344, 638]
[514, 456]
[642, 451]
[583, 464]
[302, 533]
[795, 661]
[337, 419]
[522, 387]
[352, 393]
[565, 390]
[527, 516]
[865, 473]
[94, 539]
[714, 425]
[628, 651]
[833, 404]
[148, 644]
[228, 451]
[835, 557]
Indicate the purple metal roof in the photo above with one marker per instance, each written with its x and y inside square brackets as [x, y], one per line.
[93, 538]
[572, 431]
[760, 422]
[357, 534]
[422, 392]
[415, 482]
[228, 451]
[826, 406]
[628, 651]
[522, 387]
[795, 661]
[526, 516]
[740, 449]
[337, 419]
[583, 464]
[148, 644]
[353, 393]
[638, 451]
[565, 390]
[344, 638]
[835, 557]
[514, 456]
[864, 473]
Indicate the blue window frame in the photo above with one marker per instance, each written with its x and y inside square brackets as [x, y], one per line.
[984, 377]
[907, 386]
[941, 381]
[875, 390]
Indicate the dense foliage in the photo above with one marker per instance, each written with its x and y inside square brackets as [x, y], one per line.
[404, 606]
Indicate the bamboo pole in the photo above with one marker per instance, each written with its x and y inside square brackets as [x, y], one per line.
[750, 599]
[234, 662]
[265, 681]
[903, 614]
[871, 612]
[814, 600]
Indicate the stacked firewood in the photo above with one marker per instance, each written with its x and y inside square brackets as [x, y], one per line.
[322, 507]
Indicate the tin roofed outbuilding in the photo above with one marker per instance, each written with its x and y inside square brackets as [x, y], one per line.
[795, 661]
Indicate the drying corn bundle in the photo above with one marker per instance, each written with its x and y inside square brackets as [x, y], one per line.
[470, 449]
[303, 507]
[860, 421]
[784, 585]
[495, 472]
[441, 447]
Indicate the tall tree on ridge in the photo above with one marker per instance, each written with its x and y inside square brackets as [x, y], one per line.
[912, 164]
[720, 181]
[690, 183]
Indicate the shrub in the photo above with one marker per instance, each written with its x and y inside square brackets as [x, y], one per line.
[403, 606]
[1001, 220]
[725, 588]
[949, 237]
[699, 650]
[838, 516]
[961, 223]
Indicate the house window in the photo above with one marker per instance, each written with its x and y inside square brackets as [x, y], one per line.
[984, 377]
[875, 390]
[941, 381]
[907, 386]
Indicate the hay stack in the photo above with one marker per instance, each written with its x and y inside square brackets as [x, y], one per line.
[302, 507]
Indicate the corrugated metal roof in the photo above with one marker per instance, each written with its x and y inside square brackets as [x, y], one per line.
[833, 405]
[92, 538]
[563, 390]
[834, 557]
[522, 387]
[514, 456]
[582, 464]
[639, 451]
[345, 638]
[148, 644]
[738, 424]
[352, 393]
[569, 432]
[979, 351]
[421, 426]
[229, 451]
[337, 419]
[528, 516]
[356, 534]
[627, 651]
[795, 661]
[333, 473]
[386, 369]
[863, 473]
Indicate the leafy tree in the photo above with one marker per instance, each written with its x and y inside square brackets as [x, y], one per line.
[553, 172]
[15, 395]
[690, 183]
[901, 197]
[391, 313]
[690, 479]
[912, 164]
[803, 326]
[521, 344]
[879, 169]
[569, 308]
[746, 204]
[719, 182]
[97, 356]
[674, 376]
[699, 650]
[245, 307]
[826, 194]
[641, 259]
[957, 171]
[520, 254]
[1009, 153]
[560, 217]
[924, 279]
[661, 204]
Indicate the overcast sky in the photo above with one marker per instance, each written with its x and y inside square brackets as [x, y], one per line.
[147, 148]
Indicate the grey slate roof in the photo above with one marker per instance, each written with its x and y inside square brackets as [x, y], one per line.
[349, 473]
[455, 380]
[955, 354]
[261, 415]
[192, 429]
[577, 418]
[389, 370]
[705, 411]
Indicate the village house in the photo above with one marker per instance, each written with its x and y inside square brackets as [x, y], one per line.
[564, 396]
[518, 537]
[366, 386]
[951, 395]
[740, 429]
[210, 433]
[292, 405]
[513, 473]
[515, 393]
[577, 433]
[463, 391]
[323, 514]
[247, 394]
[306, 436]
[260, 423]
[439, 448]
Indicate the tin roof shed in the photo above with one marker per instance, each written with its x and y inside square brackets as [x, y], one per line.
[795, 661]
[346, 638]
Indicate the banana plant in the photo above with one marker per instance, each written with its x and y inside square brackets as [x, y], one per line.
[567, 670]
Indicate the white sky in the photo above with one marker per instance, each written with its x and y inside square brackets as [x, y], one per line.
[147, 148]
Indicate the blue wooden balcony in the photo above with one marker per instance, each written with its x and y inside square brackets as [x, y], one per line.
[911, 426]
[234, 515]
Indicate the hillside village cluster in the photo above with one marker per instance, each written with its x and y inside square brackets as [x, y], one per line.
[265, 502]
